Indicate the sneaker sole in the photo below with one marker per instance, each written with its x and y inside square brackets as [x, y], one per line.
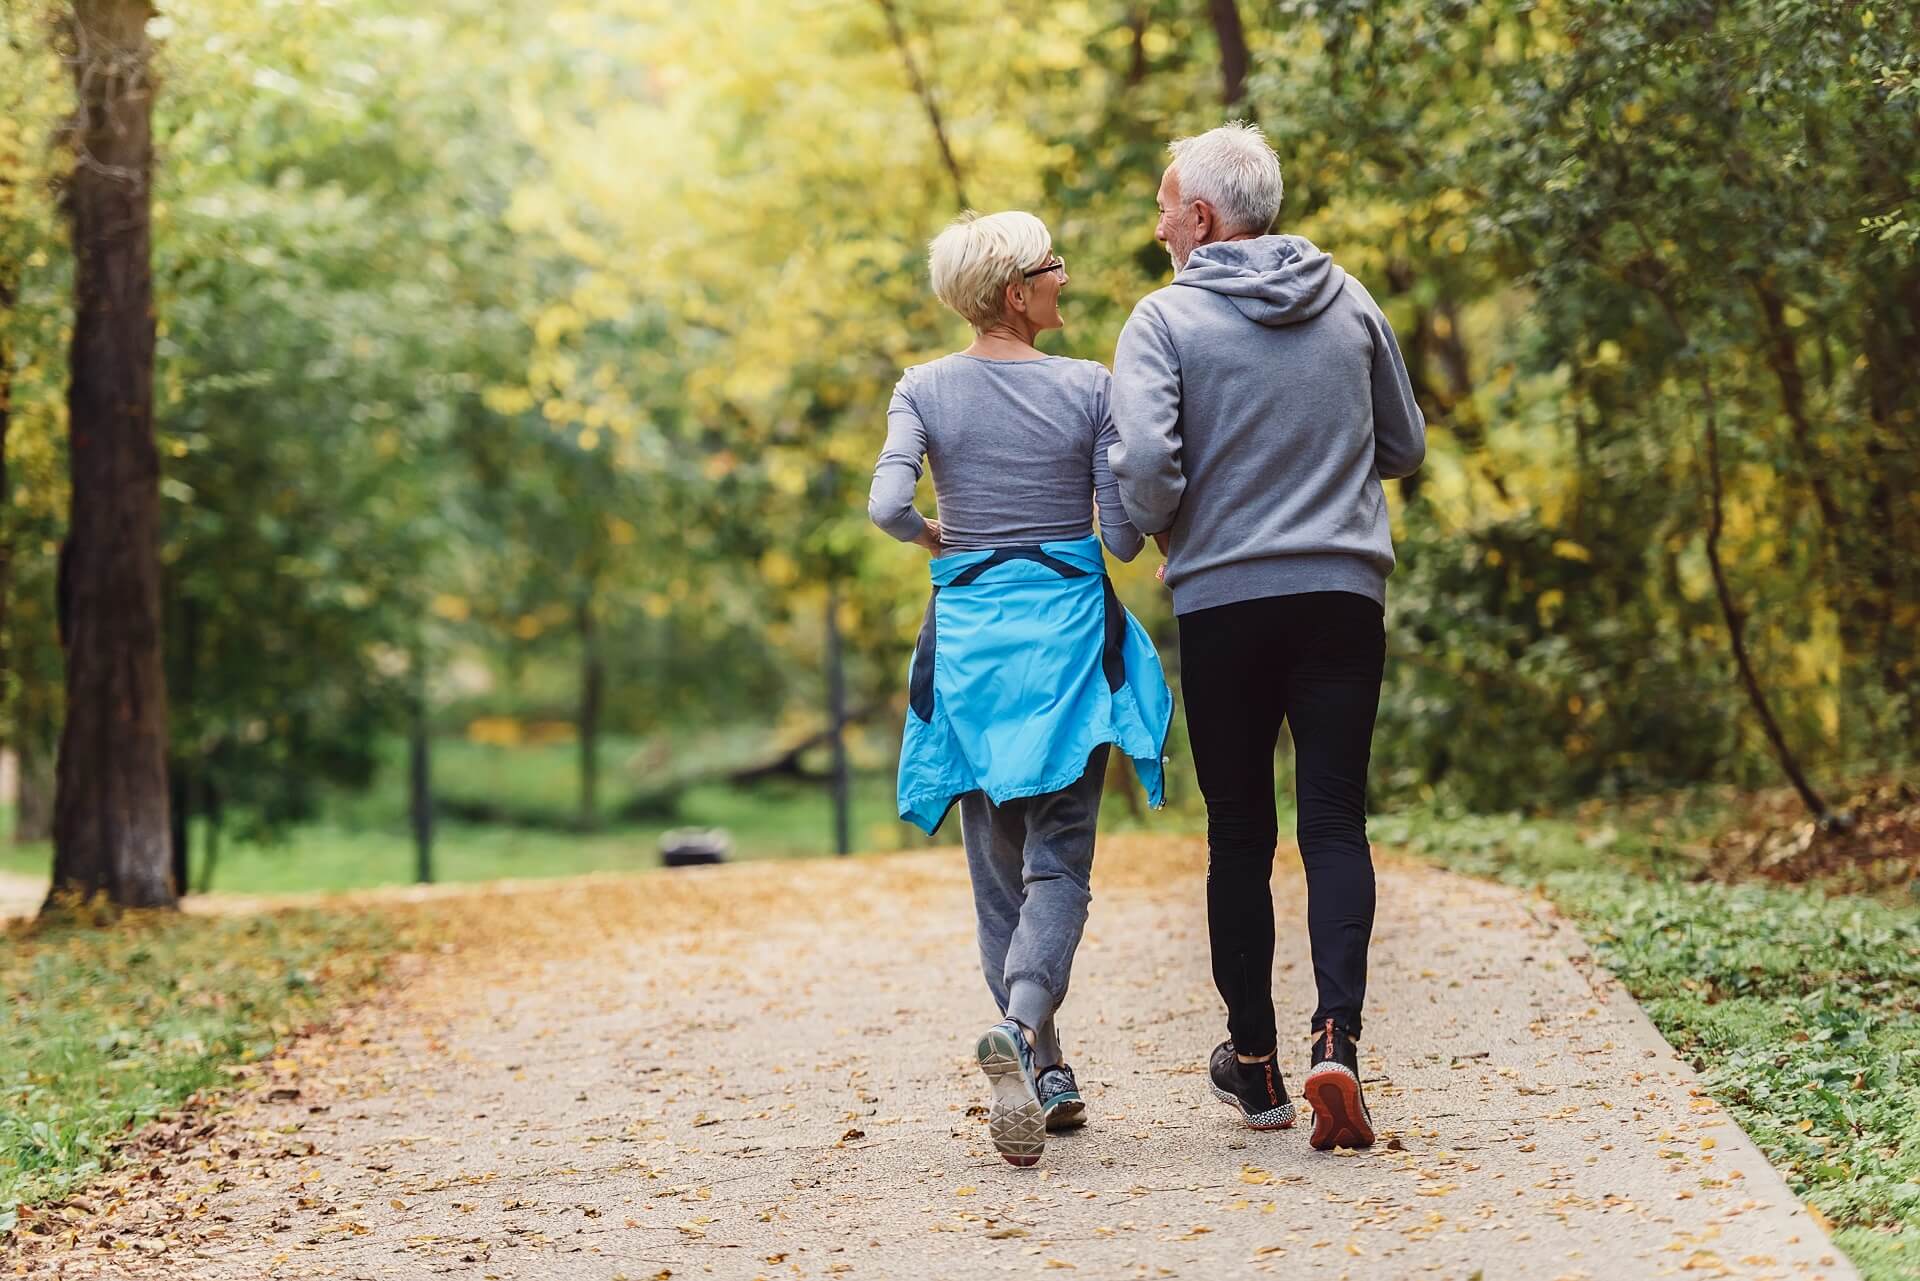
[1067, 1114]
[1339, 1117]
[1015, 1123]
[1280, 1118]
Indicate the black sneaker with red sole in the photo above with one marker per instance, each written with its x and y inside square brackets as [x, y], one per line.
[1254, 1090]
[1332, 1089]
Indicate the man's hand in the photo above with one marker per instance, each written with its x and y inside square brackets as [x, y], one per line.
[930, 538]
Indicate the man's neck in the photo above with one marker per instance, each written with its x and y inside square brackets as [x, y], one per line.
[1220, 240]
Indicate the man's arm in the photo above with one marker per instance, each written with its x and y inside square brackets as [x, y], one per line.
[1399, 429]
[1146, 414]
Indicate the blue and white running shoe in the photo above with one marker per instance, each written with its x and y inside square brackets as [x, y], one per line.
[1015, 1121]
[1060, 1098]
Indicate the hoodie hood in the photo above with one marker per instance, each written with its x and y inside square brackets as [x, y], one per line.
[1273, 280]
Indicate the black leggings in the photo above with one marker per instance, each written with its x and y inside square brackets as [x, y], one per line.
[1313, 661]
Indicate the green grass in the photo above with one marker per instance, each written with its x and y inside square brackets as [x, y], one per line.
[364, 840]
[1800, 1010]
[107, 1027]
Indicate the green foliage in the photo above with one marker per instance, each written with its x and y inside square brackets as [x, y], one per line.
[530, 341]
[105, 1029]
[1799, 1009]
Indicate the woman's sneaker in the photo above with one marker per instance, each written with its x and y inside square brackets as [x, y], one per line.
[1255, 1090]
[1060, 1099]
[1015, 1122]
[1332, 1087]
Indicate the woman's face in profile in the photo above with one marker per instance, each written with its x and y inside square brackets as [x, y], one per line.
[1043, 295]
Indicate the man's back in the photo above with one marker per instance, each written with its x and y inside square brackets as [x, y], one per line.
[1260, 399]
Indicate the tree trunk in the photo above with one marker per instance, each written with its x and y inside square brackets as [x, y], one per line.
[179, 814]
[1735, 620]
[110, 825]
[33, 795]
[210, 837]
[837, 722]
[185, 770]
[1233, 49]
[420, 775]
[592, 684]
[7, 293]
[1118, 782]
[1651, 274]
[1137, 52]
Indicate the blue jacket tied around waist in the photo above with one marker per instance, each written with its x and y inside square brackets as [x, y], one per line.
[1025, 664]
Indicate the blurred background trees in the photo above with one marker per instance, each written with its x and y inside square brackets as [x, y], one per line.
[519, 370]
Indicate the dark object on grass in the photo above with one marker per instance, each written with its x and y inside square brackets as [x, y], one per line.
[688, 846]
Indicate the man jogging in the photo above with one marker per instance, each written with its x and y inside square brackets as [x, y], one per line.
[1260, 399]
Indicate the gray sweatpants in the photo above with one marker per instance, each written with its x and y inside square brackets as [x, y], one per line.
[1031, 860]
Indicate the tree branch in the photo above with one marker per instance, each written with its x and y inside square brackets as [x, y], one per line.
[925, 93]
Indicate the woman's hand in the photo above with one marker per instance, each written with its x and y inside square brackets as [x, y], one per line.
[1160, 540]
[930, 538]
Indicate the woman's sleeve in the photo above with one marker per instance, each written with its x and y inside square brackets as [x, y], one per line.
[1116, 530]
[897, 474]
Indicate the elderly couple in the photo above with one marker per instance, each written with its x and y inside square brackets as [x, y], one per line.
[1254, 407]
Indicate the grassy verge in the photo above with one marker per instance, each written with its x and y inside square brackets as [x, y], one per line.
[1798, 1008]
[352, 848]
[363, 841]
[106, 1028]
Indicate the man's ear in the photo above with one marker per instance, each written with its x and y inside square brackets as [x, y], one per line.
[1206, 222]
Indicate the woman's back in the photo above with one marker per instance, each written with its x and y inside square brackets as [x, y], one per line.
[1018, 449]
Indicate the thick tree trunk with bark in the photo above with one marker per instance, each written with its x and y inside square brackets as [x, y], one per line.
[110, 824]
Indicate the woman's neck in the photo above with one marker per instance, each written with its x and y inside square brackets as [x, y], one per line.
[1004, 342]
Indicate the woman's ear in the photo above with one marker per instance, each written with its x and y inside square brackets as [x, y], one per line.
[1015, 299]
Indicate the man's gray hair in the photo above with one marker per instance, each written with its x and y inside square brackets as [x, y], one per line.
[1233, 169]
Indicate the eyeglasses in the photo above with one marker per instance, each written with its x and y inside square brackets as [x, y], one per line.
[1058, 264]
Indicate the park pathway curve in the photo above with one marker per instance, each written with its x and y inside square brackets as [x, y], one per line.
[763, 1071]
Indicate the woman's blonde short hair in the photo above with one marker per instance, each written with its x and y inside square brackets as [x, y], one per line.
[978, 256]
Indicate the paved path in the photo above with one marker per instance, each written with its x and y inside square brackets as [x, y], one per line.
[20, 895]
[763, 1071]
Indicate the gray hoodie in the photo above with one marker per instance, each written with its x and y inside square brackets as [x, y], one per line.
[1260, 399]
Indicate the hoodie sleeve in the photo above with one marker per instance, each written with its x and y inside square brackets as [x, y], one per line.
[1399, 430]
[1146, 417]
[1116, 529]
[897, 474]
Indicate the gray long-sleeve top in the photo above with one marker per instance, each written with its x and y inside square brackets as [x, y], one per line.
[1019, 454]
